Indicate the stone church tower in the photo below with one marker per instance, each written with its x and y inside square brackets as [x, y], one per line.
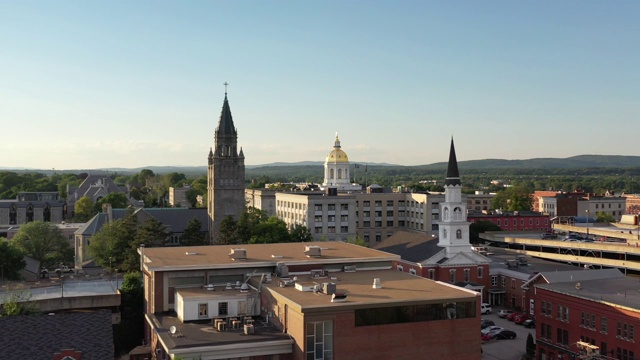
[225, 175]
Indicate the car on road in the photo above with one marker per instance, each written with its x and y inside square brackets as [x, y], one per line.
[63, 269]
[504, 313]
[485, 308]
[549, 236]
[512, 316]
[500, 335]
[520, 319]
[484, 323]
[529, 323]
[489, 329]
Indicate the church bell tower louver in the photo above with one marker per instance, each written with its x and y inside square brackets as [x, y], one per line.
[226, 174]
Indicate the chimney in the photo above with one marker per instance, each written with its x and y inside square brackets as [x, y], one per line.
[106, 209]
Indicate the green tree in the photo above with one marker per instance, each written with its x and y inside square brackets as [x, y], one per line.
[301, 233]
[271, 231]
[117, 200]
[16, 302]
[228, 232]
[11, 261]
[114, 245]
[356, 240]
[603, 217]
[151, 233]
[517, 198]
[130, 331]
[83, 209]
[193, 235]
[248, 223]
[44, 242]
[478, 227]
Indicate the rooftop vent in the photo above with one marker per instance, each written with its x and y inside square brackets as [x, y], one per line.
[312, 251]
[338, 297]
[377, 284]
[578, 286]
[191, 253]
[238, 254]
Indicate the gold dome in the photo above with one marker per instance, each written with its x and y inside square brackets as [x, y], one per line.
[337, 156]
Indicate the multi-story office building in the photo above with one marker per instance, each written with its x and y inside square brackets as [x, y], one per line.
[515, 221]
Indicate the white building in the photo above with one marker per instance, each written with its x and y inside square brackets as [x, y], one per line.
[336, 170]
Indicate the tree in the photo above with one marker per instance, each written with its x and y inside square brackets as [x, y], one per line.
[11, 261]
[478, 227]
[248, 222]
[130, 331]
[301, 233]
[152, 233]
[228, 232]
[113, 245]
[603, 217]
[271, 231]
[16, 303]
[117, 200]
[517, 198]
[356, 240]
[83, 209]
[531, 346]
[193, 235]
[44, 242]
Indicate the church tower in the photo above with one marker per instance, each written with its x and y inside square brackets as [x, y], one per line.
[453, 228]
[225, 174]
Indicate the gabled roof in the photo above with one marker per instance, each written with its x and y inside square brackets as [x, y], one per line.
[175, 219]
[40, 336]
[551, 277]
[411, 246]
[458, 259]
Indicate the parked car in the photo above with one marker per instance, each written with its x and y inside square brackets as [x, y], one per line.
[485, 308]
[489, 329]
[520, 319]
[64, 269]
[500, 335]
[512, 316]
[549, 236]
[484, 323]
[529, 323]
[504, 313]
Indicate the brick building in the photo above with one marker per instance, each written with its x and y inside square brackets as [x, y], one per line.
[516, 221]
[319, 300]
[594, 319]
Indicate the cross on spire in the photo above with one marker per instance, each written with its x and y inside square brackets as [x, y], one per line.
[225, 88]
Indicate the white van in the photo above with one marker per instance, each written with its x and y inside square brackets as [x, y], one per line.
[485, 308]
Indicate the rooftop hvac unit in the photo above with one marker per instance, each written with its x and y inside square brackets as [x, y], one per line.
[377, 284]
[282, 270]
[319, 273]
[349, 268]
[238, 254]
[338, 297]
[248, 329]
[312, 251]
[329, 288]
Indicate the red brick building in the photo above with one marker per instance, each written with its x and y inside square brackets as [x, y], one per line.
[515, 221]
[582, 319]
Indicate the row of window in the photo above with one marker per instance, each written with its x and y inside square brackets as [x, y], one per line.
[331, 229]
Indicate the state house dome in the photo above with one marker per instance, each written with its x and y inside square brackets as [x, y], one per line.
[337, 155]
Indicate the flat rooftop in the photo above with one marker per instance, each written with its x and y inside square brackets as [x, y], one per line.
[621, 291]
[217, 256]
[398, 288]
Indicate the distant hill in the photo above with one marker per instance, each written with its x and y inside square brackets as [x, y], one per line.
[574, 162]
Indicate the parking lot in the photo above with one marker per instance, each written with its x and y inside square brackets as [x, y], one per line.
[506, 349]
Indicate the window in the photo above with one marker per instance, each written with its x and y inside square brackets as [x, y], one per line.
[332, 207]
[319, 340]
[543, 307]
[366, 224]
[331, 229]
[331, 218]
[344, 206]
[378, 223]
[389, 213]
[480, 272]
[378, 203]
[378, 237]
[223, 308]
[603, 325]
[513, 283]
[366, 237]
[366, 204]
[458, 234]
[378, 213]
[389, 203]
[344, 217]
[494, 280]
[390, 223]
[344, 229]
[366, 214]
[452, 275]
[502, 281]
[467, 275]
[401, 203]
[203, 310]
[432, 274]
[318, 207]
[317, 218]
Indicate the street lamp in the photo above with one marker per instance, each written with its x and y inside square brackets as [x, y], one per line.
[587, 223]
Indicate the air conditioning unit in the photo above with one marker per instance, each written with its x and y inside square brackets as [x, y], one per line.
[238, 254]
[329, 288]
[312, 251]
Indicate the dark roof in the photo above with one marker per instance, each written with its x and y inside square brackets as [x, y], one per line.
[175, 219]
[411, 246]
[622, 291]
[40, 336]
[453, 176]
[225, 126]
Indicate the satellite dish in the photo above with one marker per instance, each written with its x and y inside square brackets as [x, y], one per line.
[172, 330]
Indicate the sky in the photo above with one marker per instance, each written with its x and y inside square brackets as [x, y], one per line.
[105, 84]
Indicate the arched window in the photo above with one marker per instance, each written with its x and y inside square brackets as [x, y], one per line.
[457, 214]
[458, 234]
[331, 174]
[13, 215]
[339, 173]
[46, 213]
[444, 233]
[30, 213]
[445, 217]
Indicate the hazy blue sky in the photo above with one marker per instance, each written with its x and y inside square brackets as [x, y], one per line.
[98, 84]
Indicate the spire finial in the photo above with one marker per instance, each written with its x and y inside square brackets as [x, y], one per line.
[225, 88]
